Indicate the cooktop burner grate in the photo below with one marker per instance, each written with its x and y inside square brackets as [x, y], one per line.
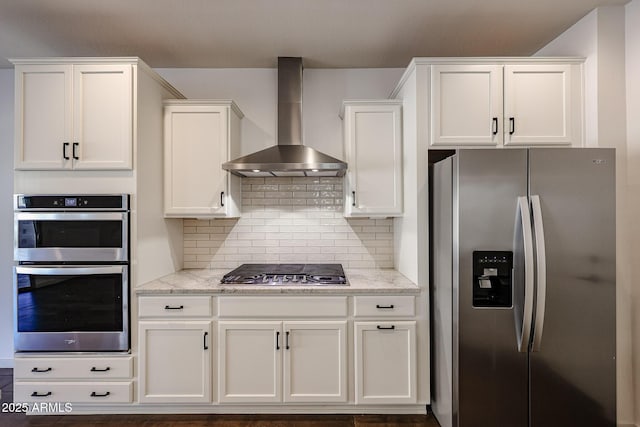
[286, 274]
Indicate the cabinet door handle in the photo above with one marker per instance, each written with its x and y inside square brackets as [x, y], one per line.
[222, 199]
[512, 125]
[286, 342]
[387, 307]
[41, 370]
[494, 126]
[205, 340]
[36, 394]
[64, 150]
[73, 152]
[386, 328]
[353, 198]
[168, 307]
[94, 369]
[277, 340]
[105, 394]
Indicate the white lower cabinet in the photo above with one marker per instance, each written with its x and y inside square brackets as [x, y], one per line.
[291, 361]
[73, 392]
[73, 379]
[175, 361]
[385, 362]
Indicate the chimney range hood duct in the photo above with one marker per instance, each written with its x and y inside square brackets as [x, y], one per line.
[290, 157]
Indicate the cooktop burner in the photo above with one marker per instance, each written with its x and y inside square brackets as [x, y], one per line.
[286, 274]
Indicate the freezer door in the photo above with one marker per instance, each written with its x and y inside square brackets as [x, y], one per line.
[573, 370]
[492, 374]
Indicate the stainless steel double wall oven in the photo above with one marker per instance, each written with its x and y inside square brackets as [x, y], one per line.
[71, 278]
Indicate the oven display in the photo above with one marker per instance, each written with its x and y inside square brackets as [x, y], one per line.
[70, 202]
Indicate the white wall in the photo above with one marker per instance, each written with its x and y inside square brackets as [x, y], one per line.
[632, 55]
[600, 37]
[6, 218]
[255, 91]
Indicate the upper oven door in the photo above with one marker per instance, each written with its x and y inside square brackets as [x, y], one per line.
[71, 236]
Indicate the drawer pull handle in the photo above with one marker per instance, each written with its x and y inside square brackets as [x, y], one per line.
[205, 340]
[277, 340]
[383, 307]
[105, 394]
[386, 328]
[286, 343]
[73, 151]
[94, 369]
[64, 150]
[36, 394]
[168, 307]
[41, 370]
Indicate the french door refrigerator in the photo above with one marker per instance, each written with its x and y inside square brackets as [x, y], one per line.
[523, 288]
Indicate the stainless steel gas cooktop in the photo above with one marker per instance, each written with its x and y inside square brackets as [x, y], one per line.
[286, 274]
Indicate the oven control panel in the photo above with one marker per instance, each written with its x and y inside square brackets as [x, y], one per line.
[72, 202]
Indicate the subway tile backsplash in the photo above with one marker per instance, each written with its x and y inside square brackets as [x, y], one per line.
[289, 220]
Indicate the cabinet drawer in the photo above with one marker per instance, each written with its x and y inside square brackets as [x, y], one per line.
[36, 368]
[384, 306]
[282, 306]
[174, 306]
[79, 392]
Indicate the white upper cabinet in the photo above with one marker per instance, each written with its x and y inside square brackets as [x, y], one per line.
[506, 104]
[466, 104]
[73, 116]
[373, 151]
[199, 137]
[102, 117]
[539, 106]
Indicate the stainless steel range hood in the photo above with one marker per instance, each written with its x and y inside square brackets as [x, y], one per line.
[290, 157]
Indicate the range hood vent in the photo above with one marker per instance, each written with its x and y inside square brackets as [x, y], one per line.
[290, 157]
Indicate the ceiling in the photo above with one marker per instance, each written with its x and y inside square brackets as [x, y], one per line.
[252, 33]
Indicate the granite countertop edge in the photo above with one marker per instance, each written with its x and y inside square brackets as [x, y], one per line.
[207, 282]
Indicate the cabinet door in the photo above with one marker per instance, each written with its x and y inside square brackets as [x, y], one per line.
[102, 116]
[42, 116]
[250, 361]
[373, 136]
[315, 361]
[539, 107]
[196, 145]
[385, 362]
[175, 361]
[466, 104]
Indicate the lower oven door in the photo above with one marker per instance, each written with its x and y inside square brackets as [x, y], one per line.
[71, 308]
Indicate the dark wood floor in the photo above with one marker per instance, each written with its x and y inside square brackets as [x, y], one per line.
[21, 420]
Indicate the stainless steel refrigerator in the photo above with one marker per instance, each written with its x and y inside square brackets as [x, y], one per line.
[523, 288]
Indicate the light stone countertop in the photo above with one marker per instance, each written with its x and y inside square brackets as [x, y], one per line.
[207, 281]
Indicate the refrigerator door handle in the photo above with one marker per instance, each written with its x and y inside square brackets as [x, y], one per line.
[541, 273]
[527, 239]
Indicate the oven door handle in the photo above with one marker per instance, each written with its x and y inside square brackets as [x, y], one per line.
[79, 271]
[70, 216]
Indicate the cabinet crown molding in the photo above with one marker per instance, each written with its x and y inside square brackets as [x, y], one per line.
[493, 60]
[357, 102]
[132, 60]
[206, 102]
